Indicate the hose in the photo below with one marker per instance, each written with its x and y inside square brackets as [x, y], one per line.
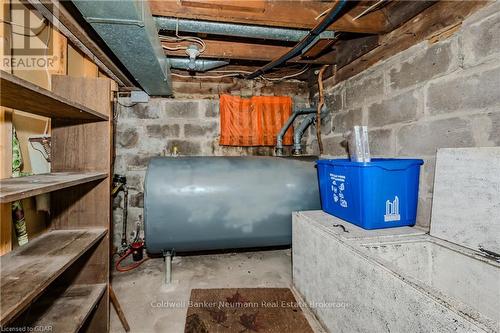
[308, 39]
[131, 266]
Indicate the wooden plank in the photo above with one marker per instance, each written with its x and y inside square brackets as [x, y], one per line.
[63, 310]
[5, 172]
[99, 320]
[79, 65]
[118, 308]
[5, 133]
[29, 269]
[25, 96]
[258, 6]
[234, 50]
[12, 189]
[399, 12]
[286, 13]
[85, 146]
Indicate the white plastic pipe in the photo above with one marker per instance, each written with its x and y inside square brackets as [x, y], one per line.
[168, 268]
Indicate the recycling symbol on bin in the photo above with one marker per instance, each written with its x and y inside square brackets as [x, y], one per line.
[338, 195]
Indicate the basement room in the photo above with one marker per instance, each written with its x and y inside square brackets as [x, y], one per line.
[260, 166]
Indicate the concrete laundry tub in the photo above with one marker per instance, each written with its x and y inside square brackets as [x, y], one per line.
[403, 279]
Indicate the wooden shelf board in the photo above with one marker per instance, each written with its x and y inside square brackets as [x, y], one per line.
[63, 310]
[12, 189]
[28, 270]
[22, 95]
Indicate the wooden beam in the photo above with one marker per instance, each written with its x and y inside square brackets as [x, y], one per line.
[285, 13]
[249, 6]
[5, 135]
[234, 50]
[399, 12]
[433, 21]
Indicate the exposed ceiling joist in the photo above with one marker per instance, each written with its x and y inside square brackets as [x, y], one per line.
[285, 13]
[234, 50]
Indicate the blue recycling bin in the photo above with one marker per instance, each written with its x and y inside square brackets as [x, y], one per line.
[379, 194]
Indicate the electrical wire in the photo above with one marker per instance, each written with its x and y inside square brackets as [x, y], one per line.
[238, 73]
[367, 10]
[127, 106]
[302, 71]
[179, 38]
[205, 76]
[40, 28]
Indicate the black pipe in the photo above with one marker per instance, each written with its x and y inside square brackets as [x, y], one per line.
[308, 39]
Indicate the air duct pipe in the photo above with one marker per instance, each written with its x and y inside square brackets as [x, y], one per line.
[299, 132]
[289, 122]
[198, 65]
[306, 41]
[234, 30]
[128, 29]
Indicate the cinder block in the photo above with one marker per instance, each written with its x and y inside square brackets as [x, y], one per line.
[344, 121]
[326, 124]
[381, 142]
[363, 87]
[141, 111]
[181, 109]
[333, 99]
[162, 131]
[136, 200]
[127, 138]
[471, 90]
[401, 108]
[424, 211]
[430, 62]
[486, 129]
[481, 36]
[335, 146]
[211, 108]
[191, 130]
[135, 181]
[137, 161]
[184, 147]
[422, 139]
[427, 176]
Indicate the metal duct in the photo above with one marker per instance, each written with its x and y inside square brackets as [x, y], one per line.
[128, 28]
[235, 30]
[198, 65]
[214, 203]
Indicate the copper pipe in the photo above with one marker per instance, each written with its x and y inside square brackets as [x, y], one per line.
[321, 102]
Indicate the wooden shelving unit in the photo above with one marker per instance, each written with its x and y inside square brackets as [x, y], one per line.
[13, 189]
[61, 278]
[26, 272]
[23, 95]
[65, 310]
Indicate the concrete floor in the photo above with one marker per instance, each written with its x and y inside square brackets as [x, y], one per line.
[141, 291]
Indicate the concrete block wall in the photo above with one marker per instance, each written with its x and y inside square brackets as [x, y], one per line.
[427, 97]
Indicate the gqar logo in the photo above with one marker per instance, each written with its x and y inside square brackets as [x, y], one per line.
[392, 210]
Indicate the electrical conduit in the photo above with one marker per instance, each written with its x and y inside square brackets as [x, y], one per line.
[308, 39]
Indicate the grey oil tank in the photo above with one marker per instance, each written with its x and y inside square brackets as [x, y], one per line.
[213, 203]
